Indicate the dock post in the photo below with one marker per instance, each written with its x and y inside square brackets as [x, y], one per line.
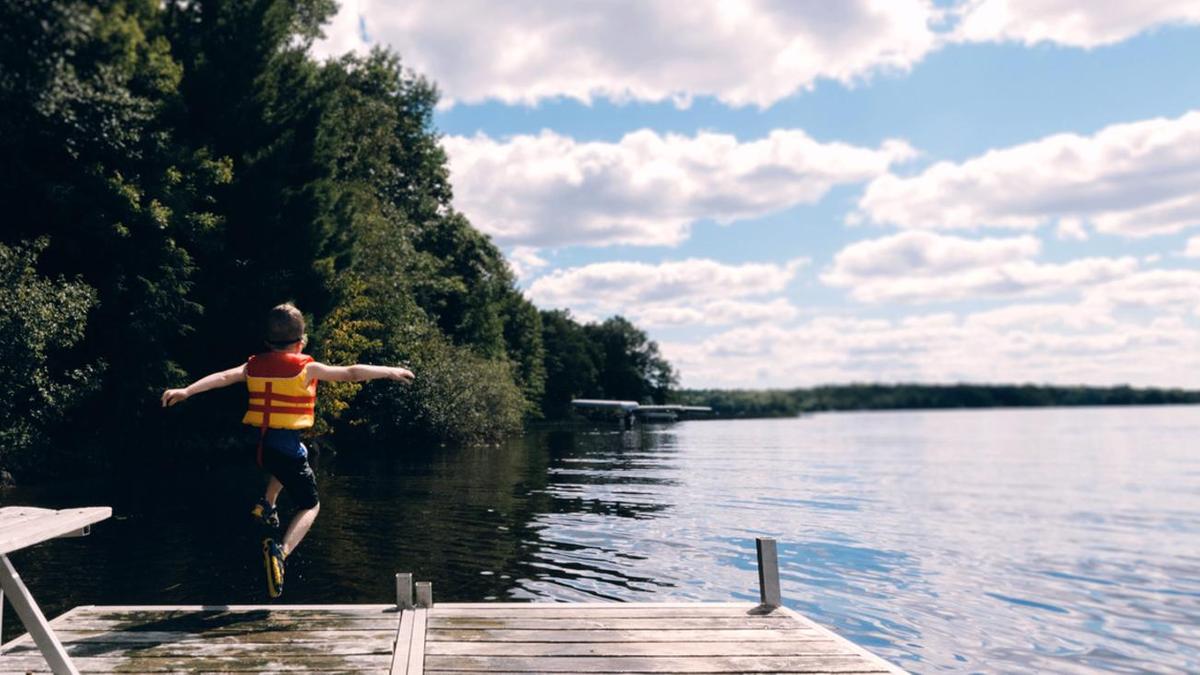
[425, 594]
[404, 590]
[768, 574]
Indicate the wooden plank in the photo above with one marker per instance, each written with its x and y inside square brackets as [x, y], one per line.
[488, 606]
[206, 648]
[241, 628]
[664, 635]
[611, 623]
[235, 664]
[675, 673]
[805, 621]
[650, 664]
[29, 531]
[416, 649]
[631, 611]
[330, 611]
[597, 649]
[401, 645]
[381, 608]
[229, 621]
[149, 637]
[12, 517]
[199, 668]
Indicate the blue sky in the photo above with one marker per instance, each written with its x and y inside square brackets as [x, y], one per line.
[792, 193]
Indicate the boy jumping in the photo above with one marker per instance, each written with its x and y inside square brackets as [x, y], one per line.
[283, 395]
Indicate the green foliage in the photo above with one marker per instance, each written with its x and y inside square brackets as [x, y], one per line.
[459, 396]
[611, 359]
[193, 166]
[39, 319]
[572, 363]
[631, 367]
[789, 403]
[90, 161]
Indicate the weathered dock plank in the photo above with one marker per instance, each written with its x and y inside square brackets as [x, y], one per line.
[614, 623]
[206, 664]
[635, 638]
[661, 635]
[822, 663]
[453, 638]
[246, 639]
[781, 648]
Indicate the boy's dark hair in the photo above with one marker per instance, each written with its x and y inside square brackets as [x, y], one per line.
[285, 326]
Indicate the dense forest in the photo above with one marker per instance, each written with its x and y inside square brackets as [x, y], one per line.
[792, 402]
[172, 169]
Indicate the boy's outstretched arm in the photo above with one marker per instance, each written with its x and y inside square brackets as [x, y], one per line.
[216, 380]
[357, 373]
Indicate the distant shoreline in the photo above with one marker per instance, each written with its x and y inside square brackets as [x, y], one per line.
[759, 403]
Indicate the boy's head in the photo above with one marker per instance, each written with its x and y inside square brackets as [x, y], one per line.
[285, 328]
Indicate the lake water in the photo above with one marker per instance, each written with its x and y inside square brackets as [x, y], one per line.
[1002, 540]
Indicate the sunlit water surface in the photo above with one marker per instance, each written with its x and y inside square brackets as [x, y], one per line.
[1002, 540]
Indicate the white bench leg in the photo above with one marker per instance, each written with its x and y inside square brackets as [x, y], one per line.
[31, 616]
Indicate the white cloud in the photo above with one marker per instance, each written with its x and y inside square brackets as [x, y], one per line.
[752, 52]
[526, 262]
[634, 282]
[693, 291]
[1071, 229]
[1192, 250]
[716, 313]
[1069, 22]
[743, 53]
[646, 189]
[1159, 289]
[919, 266]
[1076, 316]
[944, 348]
[1133, 180]
[344, 33]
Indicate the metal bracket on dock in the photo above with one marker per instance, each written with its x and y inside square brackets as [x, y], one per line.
[768, 576]
[81, 532]
[425, 594]
[404, 590]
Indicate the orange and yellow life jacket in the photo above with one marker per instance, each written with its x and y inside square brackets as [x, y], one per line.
[279, 398]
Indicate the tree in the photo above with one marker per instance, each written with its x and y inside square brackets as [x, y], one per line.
[39, 319]
[631, 366]
[571, 363]
[90, 161]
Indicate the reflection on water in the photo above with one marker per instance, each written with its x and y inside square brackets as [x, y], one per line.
[1014, 540]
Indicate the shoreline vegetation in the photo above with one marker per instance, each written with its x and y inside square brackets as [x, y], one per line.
[171, 170]
[751, 403]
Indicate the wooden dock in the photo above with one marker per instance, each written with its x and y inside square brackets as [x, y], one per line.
[413, 636]
[446, 638]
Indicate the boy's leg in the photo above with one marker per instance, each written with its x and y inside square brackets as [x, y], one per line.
[264, 510]
[300, 482]
[273, 488]
[298, 528]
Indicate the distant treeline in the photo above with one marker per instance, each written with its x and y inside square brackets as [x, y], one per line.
[171, 169]
[791, 402]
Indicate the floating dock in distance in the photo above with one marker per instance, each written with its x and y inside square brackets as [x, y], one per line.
[408, 638]
[630, 410]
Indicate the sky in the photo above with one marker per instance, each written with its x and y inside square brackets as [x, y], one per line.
[787, 193]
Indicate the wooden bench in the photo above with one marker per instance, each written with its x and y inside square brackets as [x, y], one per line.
[25, 526]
